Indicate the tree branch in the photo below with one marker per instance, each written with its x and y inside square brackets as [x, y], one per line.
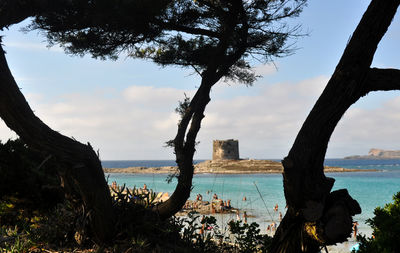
[14, 11]
[218, 66]
[382, 80]
[307, 189]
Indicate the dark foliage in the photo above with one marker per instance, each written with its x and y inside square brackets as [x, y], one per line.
[32, 198]
[102, 27]
[215, 38]
[28, 175]
[248, 237]
[386, 229]
[30, 222]
[186, 33]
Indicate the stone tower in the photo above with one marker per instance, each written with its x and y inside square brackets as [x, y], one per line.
[225, 149]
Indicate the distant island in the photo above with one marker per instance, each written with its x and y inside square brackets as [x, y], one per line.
[241, 166]
[225, 160]
[375, 153]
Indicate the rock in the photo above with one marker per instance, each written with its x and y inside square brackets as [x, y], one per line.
[375, 153]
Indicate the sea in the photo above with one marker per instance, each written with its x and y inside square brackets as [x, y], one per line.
[372, 187]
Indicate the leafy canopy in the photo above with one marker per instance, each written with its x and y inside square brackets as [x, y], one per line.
[217, 35]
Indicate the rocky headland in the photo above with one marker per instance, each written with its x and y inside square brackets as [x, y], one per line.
[243, 166]
[375, 153]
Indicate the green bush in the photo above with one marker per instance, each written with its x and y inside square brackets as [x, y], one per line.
[57, 227]
[34, 214]
[29, 175]
[248, 237]
[30, 198]
[386, 230]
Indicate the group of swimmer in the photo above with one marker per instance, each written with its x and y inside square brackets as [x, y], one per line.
[115, 186]
[220, 204]
[244, 216]
[271, 228]
[217, 204]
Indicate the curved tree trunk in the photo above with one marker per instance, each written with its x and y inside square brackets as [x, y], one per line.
[80, 166]
[217, 68]
[316, 216]
[185, 151]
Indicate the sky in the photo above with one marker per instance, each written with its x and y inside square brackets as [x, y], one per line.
[125, 108]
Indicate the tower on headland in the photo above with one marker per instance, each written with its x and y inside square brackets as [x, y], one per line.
[225, 149]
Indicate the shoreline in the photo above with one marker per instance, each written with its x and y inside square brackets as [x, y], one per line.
[370, 158]
[226, 167]
[213, 208]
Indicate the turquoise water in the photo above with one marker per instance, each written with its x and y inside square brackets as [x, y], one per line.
[370, 189]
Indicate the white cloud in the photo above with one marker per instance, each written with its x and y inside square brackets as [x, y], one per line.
[32, 46]
[5, 132]
[361, 129]
[154, 98]
[135, 123]
[266, 122]
[265, 69]
[166, 123]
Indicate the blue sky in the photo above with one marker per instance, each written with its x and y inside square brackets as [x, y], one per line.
[125, 108]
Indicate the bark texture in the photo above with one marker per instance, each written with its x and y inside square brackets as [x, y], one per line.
[316, 216]
[80, 167]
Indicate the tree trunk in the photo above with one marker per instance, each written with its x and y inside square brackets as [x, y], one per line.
[185, 150]
[315, 215]
[79, 164]
[218, 66]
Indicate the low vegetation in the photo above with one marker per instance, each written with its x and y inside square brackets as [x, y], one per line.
[386, 229]
[35, 220]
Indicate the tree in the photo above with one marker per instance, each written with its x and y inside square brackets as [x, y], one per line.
[80, 168]
[386, 229]
[13, 12]
[213, 37]
[317, 217]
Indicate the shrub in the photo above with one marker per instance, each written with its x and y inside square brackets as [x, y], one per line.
[28, 175]
[34, 215]
[386, 230]
[248, 237]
